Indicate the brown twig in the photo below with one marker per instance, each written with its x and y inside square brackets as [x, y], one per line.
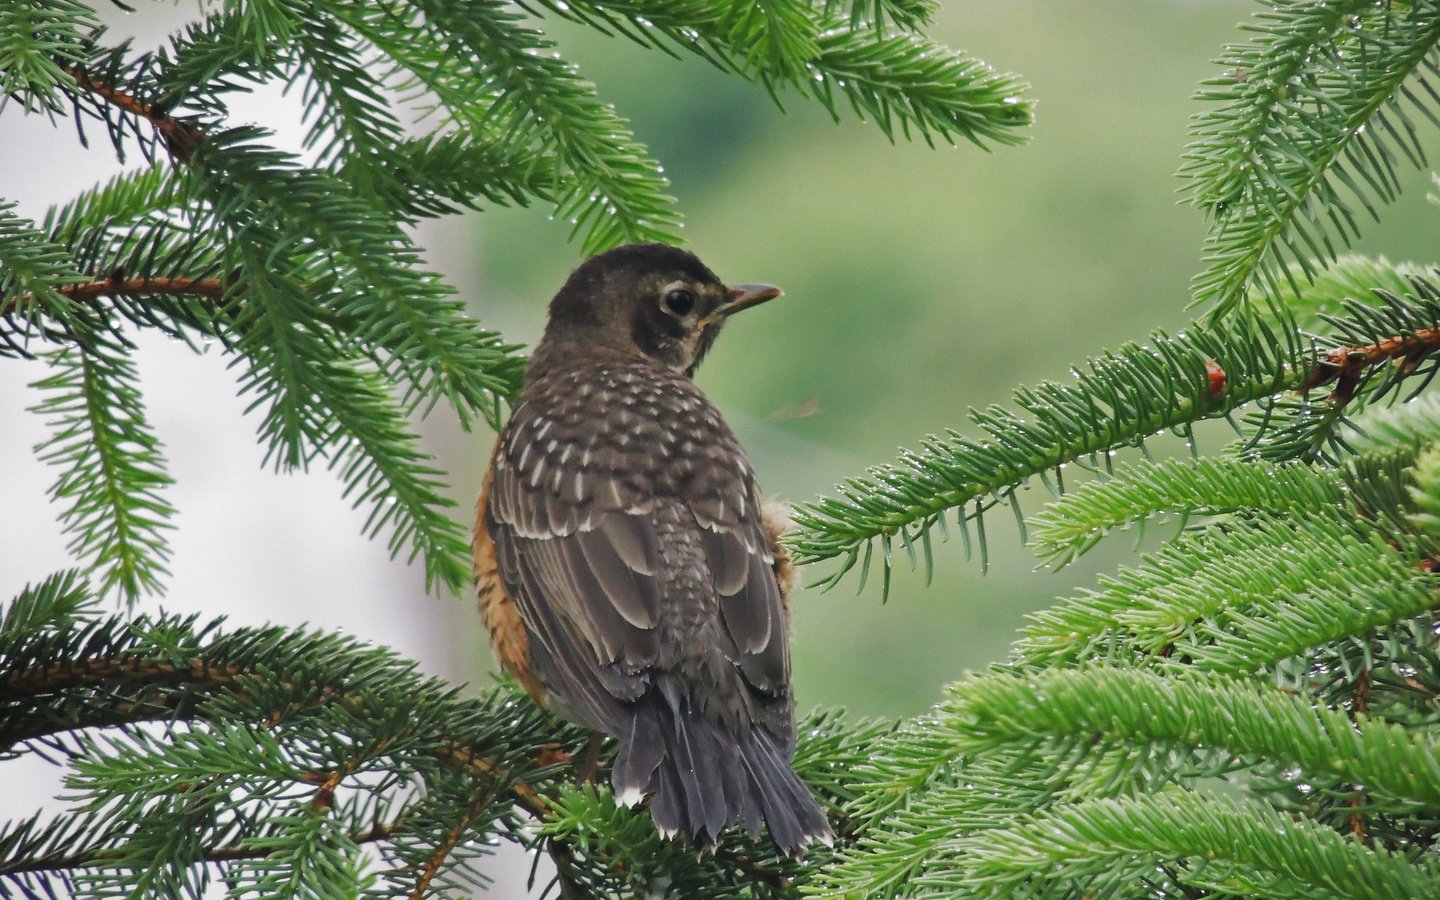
[1344, 365]
[324, 797]
[530, 798]
[181, 137]
[452, 840]
[1357, 795]
[118, 286]
[83, 672]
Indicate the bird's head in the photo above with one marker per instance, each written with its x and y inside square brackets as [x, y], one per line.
[652, 298]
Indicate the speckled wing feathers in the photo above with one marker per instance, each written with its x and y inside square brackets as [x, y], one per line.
[578, 501]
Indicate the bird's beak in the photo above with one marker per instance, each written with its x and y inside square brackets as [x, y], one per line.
[743, 296]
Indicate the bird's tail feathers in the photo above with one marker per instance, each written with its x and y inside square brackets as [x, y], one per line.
[704, 779]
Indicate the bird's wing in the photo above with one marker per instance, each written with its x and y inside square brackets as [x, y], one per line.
[742, 566]
[578, 549]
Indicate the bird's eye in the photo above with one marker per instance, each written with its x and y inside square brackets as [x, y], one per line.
[679, 302]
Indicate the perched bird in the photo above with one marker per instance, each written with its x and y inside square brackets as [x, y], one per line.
[628, 575]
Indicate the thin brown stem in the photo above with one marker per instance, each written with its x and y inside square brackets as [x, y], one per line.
[180, 137]
[85, 672]
[1344, 365]
[526, 795]
[118, 286]
[452, 840]
[1357, 796]
[212, 288]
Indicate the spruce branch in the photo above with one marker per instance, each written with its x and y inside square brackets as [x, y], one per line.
[1425, 493]
[292, 744]
[181, 136]
[112, 467]
[899, 79]
[335, 711]
[1377, 346]
[1326, 292]
[612, 191]
[1311, 118]
[1108, 844]
[447, 846]
[1074, 523]
[1173, 382]
[1385, 427]
[40, 41]
[1238, 598]
[1125, 397]
[28, 836]
[1113, 704]
[32, 269]
[212, 289]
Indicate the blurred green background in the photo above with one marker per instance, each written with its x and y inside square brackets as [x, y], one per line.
[918, 282]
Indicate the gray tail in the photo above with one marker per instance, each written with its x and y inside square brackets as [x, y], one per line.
[704, 779]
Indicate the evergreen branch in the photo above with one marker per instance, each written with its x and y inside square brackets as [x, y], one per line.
[1326, 292]
[181, 136]
[1380, 484]
[609, 850]
[1238, 598]
[272, 748]
[918, 797]
[209, 288]
[895, 79]
[365, 269]
[30, 854]
[378, 459]
[447, 846]
[1343, 364]
[62, 600]
[1273, 629]
[907, 15]
[440, 174]
[112, 467]
[1107, 843]
[1425, 493]
[93, 672]
[32, 268]
[118, 203]
[909, 80]
[1126, 396]
[1380, 427]
[1070, 526]
[606, 182]
[331, 709]
[346, 106]
[1315, 105]
[352, 289]
[771, 36]
[158, 272]
[37, 41]
[1117, 705]
[1403, 330]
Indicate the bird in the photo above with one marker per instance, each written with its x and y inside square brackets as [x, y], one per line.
[629, 573]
